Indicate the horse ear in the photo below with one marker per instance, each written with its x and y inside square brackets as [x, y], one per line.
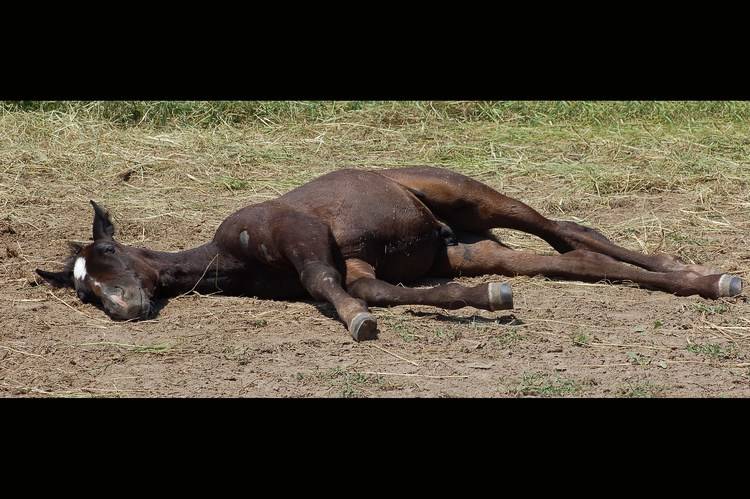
[103, 228]
[57, 279]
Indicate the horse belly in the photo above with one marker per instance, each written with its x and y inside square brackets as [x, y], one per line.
[396, 255]
[406, 260]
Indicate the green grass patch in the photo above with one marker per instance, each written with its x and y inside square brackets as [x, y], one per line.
[713, 350]
[544, 385]
[401, 326]
[274, 113]
[707, 309]
[233, 184]
[507, 339]
[448, 335]
[582, 340]
[639, 359]
[349, 384]
[640, 390]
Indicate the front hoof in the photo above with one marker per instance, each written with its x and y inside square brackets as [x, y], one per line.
[500, 296]
[363, 327]
[730, 285]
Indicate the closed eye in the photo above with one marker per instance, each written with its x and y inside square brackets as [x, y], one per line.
[105, 248]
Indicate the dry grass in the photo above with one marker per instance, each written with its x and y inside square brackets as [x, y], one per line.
[568, 169]
[670, 177]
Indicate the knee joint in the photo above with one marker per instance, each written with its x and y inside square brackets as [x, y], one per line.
[315, 275]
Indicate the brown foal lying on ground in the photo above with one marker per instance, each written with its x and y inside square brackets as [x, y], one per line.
[348, 236]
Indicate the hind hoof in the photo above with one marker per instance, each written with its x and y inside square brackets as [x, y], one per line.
[364, 327]
[730, 285]
[501, 296]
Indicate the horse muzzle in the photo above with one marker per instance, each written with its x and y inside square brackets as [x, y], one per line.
[126, 304]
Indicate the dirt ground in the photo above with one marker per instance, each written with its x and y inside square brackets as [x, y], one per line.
[563, 339]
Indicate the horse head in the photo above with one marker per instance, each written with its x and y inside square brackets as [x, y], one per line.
[108, 273]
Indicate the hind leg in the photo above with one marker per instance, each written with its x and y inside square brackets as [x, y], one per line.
[468, 205]
[362, 283]
[484, 256]
[582, 237]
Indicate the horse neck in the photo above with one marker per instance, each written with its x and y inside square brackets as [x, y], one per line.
[183, 271]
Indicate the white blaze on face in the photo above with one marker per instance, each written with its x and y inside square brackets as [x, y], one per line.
[79, 270]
